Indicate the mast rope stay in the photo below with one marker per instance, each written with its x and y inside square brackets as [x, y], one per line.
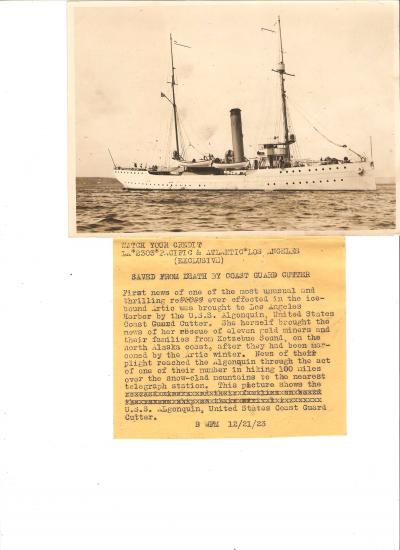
[326, 137]
[180, 132]
[186, 135]
[343, 146]
[299, 110]
[168, 142]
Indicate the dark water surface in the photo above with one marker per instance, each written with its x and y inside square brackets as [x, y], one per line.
[103, 206]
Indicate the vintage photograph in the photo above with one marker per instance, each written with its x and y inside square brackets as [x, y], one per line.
[233, 117]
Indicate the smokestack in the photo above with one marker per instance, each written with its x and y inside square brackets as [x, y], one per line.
[237, 136]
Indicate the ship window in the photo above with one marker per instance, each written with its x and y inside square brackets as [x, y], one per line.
[309, 169]
[334, 180]
[330, 168]
[327, 180]
[320, 181]
[345, 167]
[293, 171]
[274, 183]
[323, 168]
[341, 180]
[299, 170]
[306, 181]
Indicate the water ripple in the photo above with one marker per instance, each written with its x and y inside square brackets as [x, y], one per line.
[103, 206]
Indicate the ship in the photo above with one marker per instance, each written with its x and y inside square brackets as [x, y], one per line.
[273, 168]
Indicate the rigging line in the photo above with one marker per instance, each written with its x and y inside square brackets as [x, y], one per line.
[289, 120]
[327, 139]
[295, 145]
[183, 147]
[188, 138]
[158, 143]
[182, 135]
[362, 157]
[262, 121]
[278, 111]
[269, 107]
[158, 147]
[307, 116]
[275, 97]
[318, 131]
[168, 143]
[278, 130]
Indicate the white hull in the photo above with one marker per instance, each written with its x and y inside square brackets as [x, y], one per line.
[354, 176]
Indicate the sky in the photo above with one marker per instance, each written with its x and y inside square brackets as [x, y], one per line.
[344, 56]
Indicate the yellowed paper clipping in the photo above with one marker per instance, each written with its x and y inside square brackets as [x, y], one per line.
[215, 337]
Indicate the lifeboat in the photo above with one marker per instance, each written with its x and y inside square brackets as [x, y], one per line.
[204, 163]
[165, 171]
[230, 165]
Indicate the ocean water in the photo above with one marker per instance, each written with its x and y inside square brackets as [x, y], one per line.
[103, 206]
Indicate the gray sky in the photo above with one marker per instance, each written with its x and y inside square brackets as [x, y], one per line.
[342, 53]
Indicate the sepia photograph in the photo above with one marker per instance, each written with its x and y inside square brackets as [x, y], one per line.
[199, 351]
[267, 117]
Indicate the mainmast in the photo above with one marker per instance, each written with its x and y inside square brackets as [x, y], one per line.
[282, 72]
[173, 84]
